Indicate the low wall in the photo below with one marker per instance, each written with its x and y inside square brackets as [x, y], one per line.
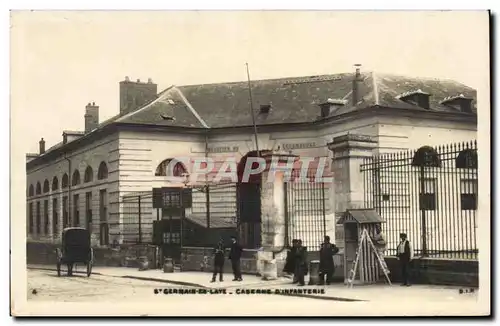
[123, 256]
[438, 271]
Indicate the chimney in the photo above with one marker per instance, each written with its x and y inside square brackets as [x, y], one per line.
[356, 85]
[42, 146]
[91, 117]
[134, 95]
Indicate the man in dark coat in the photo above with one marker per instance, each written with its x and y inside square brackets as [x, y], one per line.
[235, 256]
[290, 257]
[300, 260]
[326, 265]
[218, 260]
[404, 253]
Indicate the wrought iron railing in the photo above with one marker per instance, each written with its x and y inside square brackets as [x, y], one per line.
[430, 194]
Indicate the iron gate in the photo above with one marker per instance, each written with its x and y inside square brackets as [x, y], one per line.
[430, 194]
[305, 204]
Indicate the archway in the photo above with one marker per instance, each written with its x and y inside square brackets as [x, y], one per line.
[249, 203]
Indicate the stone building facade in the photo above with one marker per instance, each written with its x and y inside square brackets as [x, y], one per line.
[83, 180]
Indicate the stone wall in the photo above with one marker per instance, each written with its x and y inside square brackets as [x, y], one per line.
[123, 256]
[438, 271]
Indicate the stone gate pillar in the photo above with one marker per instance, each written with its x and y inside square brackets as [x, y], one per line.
[349, 152]
[273, 230]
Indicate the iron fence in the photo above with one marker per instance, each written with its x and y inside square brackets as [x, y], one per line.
[305, 211]
[430, 194]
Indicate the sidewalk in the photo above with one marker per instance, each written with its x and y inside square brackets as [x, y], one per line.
[195, 279]
[335, 292]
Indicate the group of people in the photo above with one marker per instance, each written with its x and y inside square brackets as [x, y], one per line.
[234, 256]
[404, 253]
[296, 261]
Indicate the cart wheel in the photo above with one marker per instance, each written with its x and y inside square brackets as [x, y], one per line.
[89, 268]
[90, 263]
[58, 268]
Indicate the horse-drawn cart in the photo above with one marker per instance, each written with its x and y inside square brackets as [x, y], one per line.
[75, 249]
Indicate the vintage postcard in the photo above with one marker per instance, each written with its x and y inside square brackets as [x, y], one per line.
[250, 163]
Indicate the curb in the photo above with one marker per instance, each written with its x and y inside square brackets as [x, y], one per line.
[152, 279]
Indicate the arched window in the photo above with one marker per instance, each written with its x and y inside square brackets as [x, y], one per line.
[171, 170]
[75, 179]
[31, 191]
[426, 156]
[65, 181]
[55, 184]
[466, 159]
[89, 174]
[38, 188]
[46, 186]
[102, 172]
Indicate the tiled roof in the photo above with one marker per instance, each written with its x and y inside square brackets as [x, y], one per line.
[390, 86]
[292, 100]
[361, 216]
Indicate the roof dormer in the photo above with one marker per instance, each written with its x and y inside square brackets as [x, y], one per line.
[459, 102]
[416, 97]
[330, 106]
[265, 108]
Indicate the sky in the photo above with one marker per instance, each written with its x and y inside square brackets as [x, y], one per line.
[60, 61]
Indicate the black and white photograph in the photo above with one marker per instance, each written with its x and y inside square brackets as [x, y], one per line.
[250, 163]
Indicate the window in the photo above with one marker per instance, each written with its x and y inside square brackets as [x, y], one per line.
[38, 217]
[46, 216]
[76, 210]
[103, 203]
[89, 175]
[46, 186]
[38, 188]
[428, 197]
[102, 173]
[386, 197]
[31, 191]
[426, 156]
[75, 179]
[55, 184]
[88, 209]
[103, 217]
[174, 237]
[30, 218]
[65, 212]
[468, 194]
[65, 181]
[167, 169]
[55, 219]
[466, 159]
[104, 234]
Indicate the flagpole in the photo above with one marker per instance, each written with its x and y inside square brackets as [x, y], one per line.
[252, 111]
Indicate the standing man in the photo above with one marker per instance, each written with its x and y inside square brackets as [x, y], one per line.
[290, 260]
[405, 256]
[380, 245]
[218, 260]
[235, 256]
[300, 263]
[326, 265]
